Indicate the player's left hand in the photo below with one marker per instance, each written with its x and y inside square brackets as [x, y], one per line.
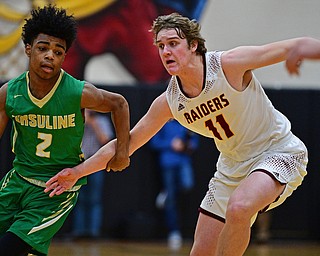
[293, 64]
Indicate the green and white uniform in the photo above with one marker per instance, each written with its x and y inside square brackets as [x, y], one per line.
[46, 137]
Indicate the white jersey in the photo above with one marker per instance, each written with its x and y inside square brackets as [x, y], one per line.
[243, 124]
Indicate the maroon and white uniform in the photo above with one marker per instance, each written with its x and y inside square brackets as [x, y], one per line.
[248, 131]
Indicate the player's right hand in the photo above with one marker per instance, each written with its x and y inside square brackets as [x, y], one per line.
[61, 182]
[118, 163]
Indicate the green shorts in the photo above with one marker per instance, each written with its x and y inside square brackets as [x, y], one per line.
[31, 214]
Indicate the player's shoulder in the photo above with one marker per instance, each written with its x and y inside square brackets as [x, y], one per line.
[69, 79]
[214, 58]
[4, 86]
[161, 99]
[21, 78]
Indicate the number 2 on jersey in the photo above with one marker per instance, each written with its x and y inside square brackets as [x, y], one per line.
[223, 124]
[42, 146]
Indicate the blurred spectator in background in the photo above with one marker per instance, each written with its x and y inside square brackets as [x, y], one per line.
[174, 145]
[88, 213]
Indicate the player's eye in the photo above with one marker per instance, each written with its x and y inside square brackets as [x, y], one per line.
[173, 43]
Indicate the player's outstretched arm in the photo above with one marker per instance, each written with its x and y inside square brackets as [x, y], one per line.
[237, 62]
[157, 115]
[67, 178]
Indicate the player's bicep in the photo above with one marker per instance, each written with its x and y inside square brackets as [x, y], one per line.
[99, 99]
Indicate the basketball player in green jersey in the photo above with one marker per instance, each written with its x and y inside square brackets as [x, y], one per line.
[46, 106]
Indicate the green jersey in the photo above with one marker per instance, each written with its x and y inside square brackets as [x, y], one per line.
[46, 134]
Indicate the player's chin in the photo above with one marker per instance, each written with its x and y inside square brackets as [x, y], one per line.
[172, 71]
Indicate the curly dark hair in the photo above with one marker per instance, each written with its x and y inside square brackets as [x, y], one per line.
[186, 28]
[51, 21]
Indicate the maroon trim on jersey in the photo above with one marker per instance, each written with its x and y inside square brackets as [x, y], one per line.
[270, 174]
[212, 215]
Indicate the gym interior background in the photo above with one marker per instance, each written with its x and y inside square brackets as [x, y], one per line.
[129, 197]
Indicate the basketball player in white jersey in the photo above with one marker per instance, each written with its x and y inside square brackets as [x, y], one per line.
[217, 95]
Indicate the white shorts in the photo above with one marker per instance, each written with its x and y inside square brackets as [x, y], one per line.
[287, 163]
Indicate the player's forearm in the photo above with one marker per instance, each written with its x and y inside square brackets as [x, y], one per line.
[121, 121]
[97, 162]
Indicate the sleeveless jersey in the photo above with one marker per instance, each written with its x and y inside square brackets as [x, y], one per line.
[46, 134]
[242, 124]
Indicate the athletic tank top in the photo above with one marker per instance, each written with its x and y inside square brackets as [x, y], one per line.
[242, 124]
[46, 134]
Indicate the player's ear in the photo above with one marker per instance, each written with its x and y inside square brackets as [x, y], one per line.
[194, 45]
[28, 50]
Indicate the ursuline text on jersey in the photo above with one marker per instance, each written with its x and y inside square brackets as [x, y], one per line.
[46, 121]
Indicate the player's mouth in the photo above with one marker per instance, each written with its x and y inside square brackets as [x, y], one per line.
[170, 63]
[47, 68]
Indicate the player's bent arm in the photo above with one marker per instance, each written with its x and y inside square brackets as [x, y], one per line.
[3, 115]
[104, 101]
[157, 115]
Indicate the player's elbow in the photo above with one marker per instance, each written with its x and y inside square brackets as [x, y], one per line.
[122, 103]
